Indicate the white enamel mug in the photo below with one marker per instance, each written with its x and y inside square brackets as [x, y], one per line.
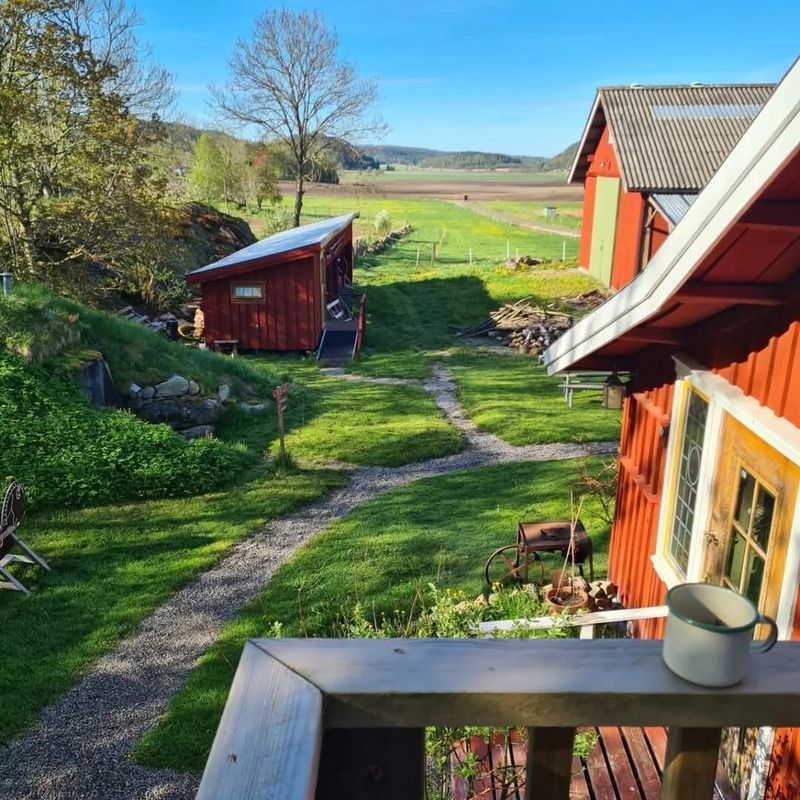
[709, 634]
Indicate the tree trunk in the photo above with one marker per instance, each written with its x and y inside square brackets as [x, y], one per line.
[298, 200]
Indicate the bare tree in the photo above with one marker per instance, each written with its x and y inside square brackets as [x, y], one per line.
[290, 82]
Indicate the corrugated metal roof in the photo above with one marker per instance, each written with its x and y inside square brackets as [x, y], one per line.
[293, 239]
[673, 206]
[670, 138]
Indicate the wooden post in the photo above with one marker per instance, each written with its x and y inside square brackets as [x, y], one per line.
[280, 406]
[418, 258]
[564, 250]
[372, 764]
[508, 250]
[690, 765]
[470, 256]
[549, 769]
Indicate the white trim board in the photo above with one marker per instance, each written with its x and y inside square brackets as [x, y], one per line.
[769, 142]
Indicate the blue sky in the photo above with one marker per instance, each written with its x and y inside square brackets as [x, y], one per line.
[513, 77]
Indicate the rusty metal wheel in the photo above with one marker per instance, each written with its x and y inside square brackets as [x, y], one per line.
[505, 565]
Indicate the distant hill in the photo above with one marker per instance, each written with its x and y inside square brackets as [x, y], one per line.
[466, 159]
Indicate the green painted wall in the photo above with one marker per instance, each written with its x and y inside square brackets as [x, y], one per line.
[604, 225]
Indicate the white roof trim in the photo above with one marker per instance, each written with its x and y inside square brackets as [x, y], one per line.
[772, 138]
[582, 144]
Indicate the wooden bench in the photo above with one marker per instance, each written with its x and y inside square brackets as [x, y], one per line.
[10, 520]
[580, 381]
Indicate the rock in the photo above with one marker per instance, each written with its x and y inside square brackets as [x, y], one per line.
[224, 392]
[134, 390]
[172, 387]
[182, 413]
[252, 406]
[194, 389]
[197, 432]
[148, 393]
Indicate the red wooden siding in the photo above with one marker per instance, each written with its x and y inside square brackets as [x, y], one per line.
[659, 230]
[639, 488]
[290, 317]
[627, 243]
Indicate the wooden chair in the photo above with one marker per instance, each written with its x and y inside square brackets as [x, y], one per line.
[10, 520]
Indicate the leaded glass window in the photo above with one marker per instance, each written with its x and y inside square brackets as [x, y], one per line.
[694, 428]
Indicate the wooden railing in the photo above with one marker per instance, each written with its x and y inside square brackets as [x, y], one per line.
[337, 719]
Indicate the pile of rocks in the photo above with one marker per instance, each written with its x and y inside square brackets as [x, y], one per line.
[178, 402]
[362, 247]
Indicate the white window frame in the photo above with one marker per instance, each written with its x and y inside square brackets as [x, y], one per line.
[780, 434]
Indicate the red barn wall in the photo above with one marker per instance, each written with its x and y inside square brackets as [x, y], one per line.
[659, 230]
[627, 242]
[289, 319]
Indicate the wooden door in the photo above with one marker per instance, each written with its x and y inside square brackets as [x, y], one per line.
[604, 228]
[755, 491]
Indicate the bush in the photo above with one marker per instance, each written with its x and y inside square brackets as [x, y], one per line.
[382, 222]
[70, 454]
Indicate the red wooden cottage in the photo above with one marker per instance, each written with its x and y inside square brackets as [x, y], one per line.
[273, 295]
[645, 153]
[710, 445]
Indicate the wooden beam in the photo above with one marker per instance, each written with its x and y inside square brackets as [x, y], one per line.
[388, 683]
[548, 773]
[690, 766]
[753, 294]
[268, 741]
[647, 334]
[773, 214]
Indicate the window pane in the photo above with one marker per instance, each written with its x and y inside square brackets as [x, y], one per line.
[246, 292]
[736, 559]
[755, 574]
[762, 517]
[744, 499]
[688, 477]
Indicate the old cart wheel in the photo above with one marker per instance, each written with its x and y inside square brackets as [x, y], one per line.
[504, 565]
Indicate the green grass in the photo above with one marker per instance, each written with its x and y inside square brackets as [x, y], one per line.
[514, 398]
[570, 214]
[112, 566]
[330, 419]
[435, 530]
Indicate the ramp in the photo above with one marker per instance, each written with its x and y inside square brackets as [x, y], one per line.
[339, 342]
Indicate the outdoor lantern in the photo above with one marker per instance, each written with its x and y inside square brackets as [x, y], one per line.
[613, 391]
[7, 280]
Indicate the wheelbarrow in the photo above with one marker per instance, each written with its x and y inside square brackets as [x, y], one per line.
[512, 561]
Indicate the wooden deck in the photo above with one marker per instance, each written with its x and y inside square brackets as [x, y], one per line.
[626, 764]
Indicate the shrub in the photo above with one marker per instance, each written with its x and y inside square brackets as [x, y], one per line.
[382, 222]
[70, 454]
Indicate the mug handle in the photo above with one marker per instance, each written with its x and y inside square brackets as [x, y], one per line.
[768, 643]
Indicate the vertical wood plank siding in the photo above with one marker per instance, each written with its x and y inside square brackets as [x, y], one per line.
[290, 318]
[639, 488]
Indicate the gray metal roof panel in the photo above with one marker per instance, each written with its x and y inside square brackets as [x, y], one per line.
[293, 239]
[672, 138]
[673, 206]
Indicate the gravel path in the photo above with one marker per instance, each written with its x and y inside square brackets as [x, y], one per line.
[79, 748]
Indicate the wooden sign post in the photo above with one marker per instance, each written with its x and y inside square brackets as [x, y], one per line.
[280, 406]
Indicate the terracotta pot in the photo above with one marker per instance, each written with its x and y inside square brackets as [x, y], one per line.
[580, 599]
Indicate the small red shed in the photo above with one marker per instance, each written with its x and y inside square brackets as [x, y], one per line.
[273, 294]
[644, 155]
[709, 471]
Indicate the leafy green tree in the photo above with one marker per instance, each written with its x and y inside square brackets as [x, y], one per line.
[79, 206]
[206, 176]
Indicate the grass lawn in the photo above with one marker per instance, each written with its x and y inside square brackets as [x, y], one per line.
[513, 397]
[112, 565]
[435, 530]
[570, 214]
[330, 419]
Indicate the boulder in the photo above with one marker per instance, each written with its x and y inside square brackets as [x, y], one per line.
[134, 390]
[224, 392]
[197, 432]
[194, 389]
[182, 413]
[172, 387]
[252, 406]
[148, 393]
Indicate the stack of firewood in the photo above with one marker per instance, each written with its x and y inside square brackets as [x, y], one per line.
[531, 328]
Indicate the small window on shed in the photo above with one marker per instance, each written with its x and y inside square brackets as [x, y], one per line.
[249, 292]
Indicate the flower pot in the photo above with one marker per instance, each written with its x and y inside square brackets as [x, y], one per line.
[566, 600]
